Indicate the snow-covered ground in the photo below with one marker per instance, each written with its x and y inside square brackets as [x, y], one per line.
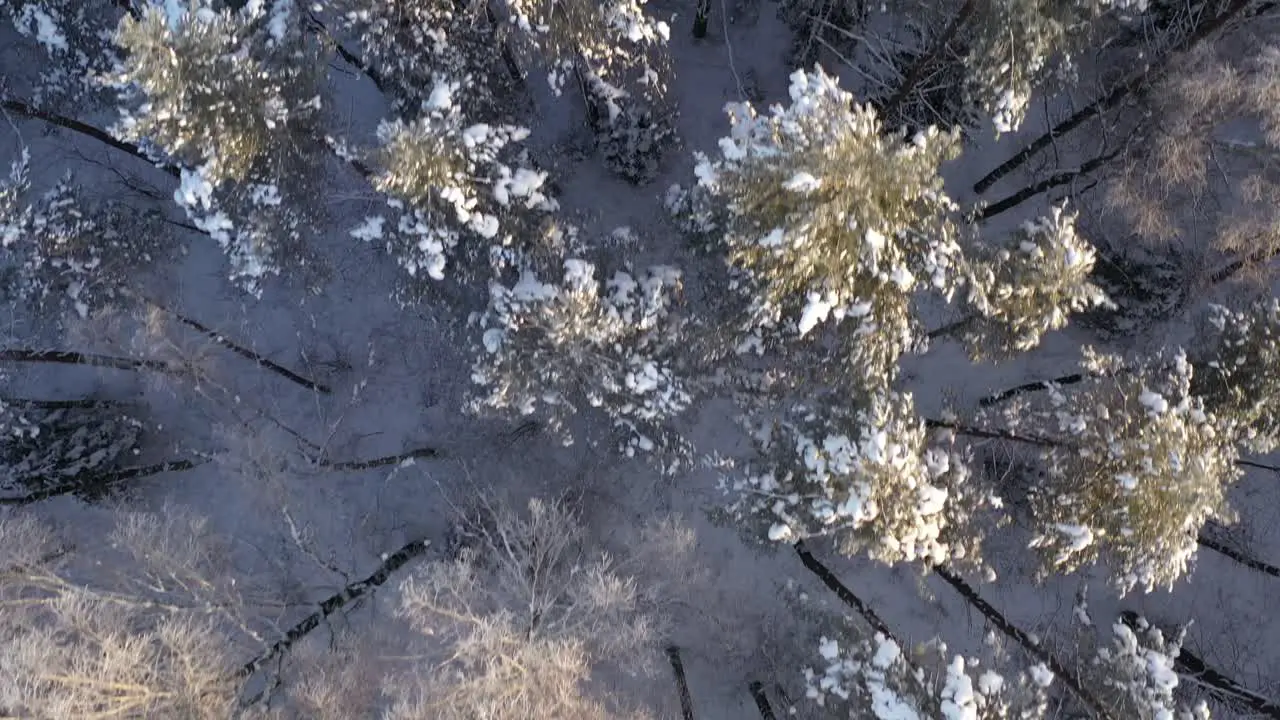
[399, 375]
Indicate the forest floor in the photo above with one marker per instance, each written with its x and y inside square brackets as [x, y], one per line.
[399, 375]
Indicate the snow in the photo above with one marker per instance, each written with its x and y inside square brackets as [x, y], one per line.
[1041, 675]
[278, 25]
[803, 183]
[370, 229]
[410, 371]
[46, 29]
[815, 311]
[195, 190]
[1154, 402]
[175, 11]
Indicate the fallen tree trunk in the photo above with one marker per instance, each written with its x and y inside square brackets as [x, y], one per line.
[762, 701]
[68, 357]
[677, 667]
[1191, 667]
[102, 136]
[240, 350]
[1033, 648]
[425, 452]
[830, 580]
[1238, 556]
[100, 482]
[335, 602]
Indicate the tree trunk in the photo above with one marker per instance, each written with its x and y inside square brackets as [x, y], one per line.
[682, 685]
[831, 581]
[762, 701]
[1022, 638]
[700, 18]
[243, 352]
[29, 111]
[66, 357]
[335, 602]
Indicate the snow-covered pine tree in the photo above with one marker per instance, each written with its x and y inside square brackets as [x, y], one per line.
[553, 350]
[1239, 376]
[1136, 468]
[234, 98]
[835, 231]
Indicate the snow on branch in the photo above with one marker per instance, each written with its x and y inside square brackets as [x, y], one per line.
[830, 218]
[448, 180]
[870, 478]
[1020, 292]
[1144, 464]
[556, 349]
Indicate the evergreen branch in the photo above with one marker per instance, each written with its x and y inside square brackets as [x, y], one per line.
[1118, 94]
[102, 481]
[390, 564]
[29, 111]
[682, 684]
[1016, 633]
[986, 434]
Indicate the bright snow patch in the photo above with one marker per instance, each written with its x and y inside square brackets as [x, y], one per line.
[1154, 402]
[802, 182]
[1041, 675]
[47, 33]
[371, 229]
[817, 310]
